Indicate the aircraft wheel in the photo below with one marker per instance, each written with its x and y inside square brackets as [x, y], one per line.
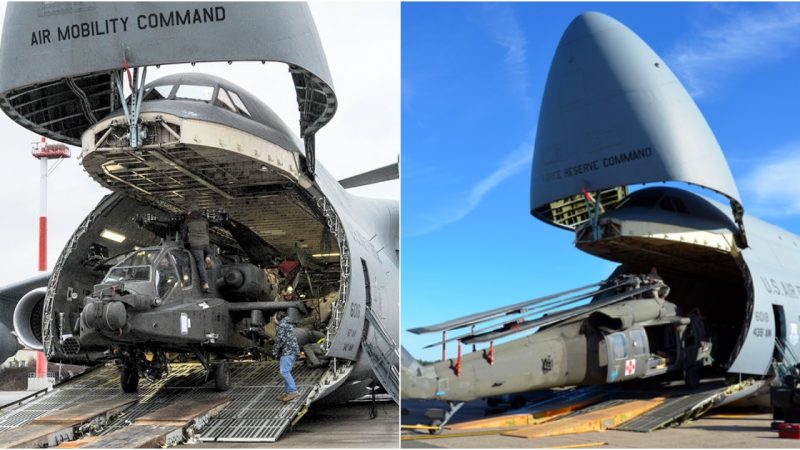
[222, 376]
[493, 402]
[436, 423]
[129, 378]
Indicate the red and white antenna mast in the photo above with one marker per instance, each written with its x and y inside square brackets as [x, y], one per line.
[44, 152]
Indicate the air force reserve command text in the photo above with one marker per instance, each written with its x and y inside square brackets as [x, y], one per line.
[117, 25]
[597, 164]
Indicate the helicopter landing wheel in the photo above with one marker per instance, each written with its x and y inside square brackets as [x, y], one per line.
[436, 426]
[129, 378]
[222, 376]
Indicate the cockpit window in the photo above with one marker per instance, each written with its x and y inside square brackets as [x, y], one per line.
[674, 204]
[140, 258]
[224, 101]
[666, 204]
[191, 92]
[642, 201]
[619, 346]
[158, 92]
[680, 206]
[141, 273]
[238, 102]
[184, 267]
[135, 267]
[639, 341]
[166, 275]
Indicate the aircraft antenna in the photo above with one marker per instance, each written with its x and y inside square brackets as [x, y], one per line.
[44, 152]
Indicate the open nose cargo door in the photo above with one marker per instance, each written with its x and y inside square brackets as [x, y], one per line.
[613, 114]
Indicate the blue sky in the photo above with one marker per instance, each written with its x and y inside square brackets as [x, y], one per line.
[472, 79]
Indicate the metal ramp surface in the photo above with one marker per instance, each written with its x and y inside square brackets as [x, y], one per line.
[254, 415]
[165, 427]
[63, 425]
[681, 408]
[384, 356]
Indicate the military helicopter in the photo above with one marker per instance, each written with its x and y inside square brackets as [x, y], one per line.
[151, 303]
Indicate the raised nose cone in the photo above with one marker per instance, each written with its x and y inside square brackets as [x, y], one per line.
[613, 114]
[587, 24]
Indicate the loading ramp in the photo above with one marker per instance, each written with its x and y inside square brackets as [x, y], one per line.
[254, 413]
[51, 429]
[383, 354]
[165, 427]
[681, 407]
[593, 408]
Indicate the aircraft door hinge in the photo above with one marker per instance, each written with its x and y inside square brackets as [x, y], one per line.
[133, 104]
[738, 216]
[310, 156]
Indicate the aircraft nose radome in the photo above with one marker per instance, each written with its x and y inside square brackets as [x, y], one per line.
[616, 58]
[588, 23]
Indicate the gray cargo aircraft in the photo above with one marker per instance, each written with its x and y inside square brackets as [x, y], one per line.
[286, 234]
[702, 288]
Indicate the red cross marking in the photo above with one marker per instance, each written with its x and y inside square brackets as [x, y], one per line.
[630, 367]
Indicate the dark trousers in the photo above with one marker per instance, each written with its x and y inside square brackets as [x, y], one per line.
[200, 254]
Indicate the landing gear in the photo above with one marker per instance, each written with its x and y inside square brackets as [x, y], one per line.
[135, 363]
[218, 370]
[129, 378]
[440, 418]
[222, 376]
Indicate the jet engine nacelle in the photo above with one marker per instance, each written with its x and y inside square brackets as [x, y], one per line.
[8, 343]
[28, 319]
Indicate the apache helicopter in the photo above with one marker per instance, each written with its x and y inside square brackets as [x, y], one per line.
[286, 234]
[151, 301]
[694, 295]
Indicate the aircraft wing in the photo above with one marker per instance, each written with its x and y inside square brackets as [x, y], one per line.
[379, 175]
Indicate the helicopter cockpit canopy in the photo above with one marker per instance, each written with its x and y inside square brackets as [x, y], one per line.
[153, 270]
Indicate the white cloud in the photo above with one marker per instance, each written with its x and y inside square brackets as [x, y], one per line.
[773, 185]
[509, 167]
[504, 27]
[745, 39]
